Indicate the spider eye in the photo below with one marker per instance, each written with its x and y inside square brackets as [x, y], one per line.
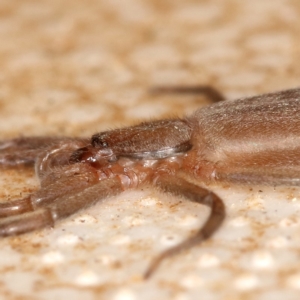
[99, 141]
[100, 144]
[78, 155]
[103, 144]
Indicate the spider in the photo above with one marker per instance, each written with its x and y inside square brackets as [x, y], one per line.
[249, 141]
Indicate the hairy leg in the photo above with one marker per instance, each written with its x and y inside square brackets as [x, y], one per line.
[211, 93]
[25, 150]
[180, 186]
[66, 180]
[61, 207]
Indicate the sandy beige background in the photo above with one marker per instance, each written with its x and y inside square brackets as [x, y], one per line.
[78, 67]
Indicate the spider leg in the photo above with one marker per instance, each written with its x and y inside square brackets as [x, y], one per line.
[180, 186]
[26, 222]
[25, 150]
[211, 93]
[24, 158]
[66, 180]
[62, 207]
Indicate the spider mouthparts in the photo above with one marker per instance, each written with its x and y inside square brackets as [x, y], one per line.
[91, 155]
[79, 155]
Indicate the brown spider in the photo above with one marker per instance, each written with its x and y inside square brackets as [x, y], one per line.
[250, 141]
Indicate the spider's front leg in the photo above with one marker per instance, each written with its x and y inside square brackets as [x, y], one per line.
[65, 188]
[24, 151]
[42, 215]
[46, 154]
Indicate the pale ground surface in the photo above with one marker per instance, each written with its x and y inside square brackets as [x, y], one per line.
[78, 67]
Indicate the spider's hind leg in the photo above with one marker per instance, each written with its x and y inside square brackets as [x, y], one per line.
[180, 186]
[212, 94]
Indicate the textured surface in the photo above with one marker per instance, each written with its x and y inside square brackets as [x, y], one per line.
[78, 67]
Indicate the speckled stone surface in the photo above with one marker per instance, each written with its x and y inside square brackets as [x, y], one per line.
[78, 67]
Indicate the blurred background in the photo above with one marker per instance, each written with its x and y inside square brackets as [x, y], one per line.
[77, 67]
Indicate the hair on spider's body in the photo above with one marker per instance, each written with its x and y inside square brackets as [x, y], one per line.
[247, 141]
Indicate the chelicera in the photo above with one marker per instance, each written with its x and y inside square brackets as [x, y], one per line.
[249, 141]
